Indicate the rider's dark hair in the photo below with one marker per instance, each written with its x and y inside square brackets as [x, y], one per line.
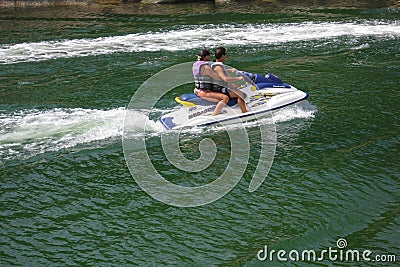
[219, 52]
[202, 54]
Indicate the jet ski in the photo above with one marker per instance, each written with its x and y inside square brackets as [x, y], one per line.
[262, 95]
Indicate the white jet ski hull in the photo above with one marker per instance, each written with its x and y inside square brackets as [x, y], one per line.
[197, 112]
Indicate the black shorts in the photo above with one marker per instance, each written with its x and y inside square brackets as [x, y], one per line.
[220, 89]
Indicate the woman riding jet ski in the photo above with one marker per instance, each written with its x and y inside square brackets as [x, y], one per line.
[212, 87]
[214, 103]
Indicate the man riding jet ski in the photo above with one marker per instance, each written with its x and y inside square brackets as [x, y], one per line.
[211, 86]
[231, 99]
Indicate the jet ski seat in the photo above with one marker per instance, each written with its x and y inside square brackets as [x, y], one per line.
[202, 102]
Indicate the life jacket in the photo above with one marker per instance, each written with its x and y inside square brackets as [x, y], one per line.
[200, 81]
[213, 65]
[205, 82]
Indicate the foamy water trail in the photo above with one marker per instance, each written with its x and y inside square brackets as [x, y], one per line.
[31, 132]
[301, 110]
[194, 36]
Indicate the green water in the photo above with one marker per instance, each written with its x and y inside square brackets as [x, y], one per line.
[66, 76]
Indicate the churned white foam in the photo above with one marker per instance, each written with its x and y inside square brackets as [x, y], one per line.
[191, 37]
[28, 125]
[30, 132]
[137, 122]
[301, 110]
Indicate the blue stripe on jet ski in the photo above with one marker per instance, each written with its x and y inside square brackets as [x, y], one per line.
[167, 122]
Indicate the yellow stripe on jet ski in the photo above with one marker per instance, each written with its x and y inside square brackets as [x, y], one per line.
[185, 103]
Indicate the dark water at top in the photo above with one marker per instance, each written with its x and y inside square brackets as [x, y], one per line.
[66, 76]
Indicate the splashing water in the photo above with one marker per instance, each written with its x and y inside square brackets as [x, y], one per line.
[30, 132]
[194, 36]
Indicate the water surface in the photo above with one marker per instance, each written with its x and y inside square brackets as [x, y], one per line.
[66, 76]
